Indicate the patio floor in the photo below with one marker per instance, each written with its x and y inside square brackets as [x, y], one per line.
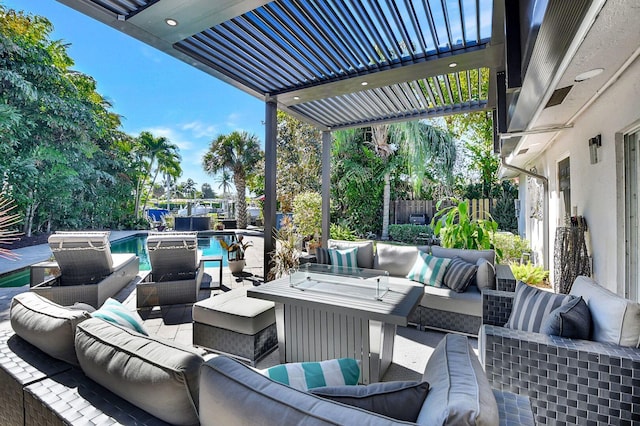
[411, 351]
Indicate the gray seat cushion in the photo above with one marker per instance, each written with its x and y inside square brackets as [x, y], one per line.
[233, 394]
[615, 319]
[460, 393]
[158, 376]
[445, 299]
[47, 325]
[365, 250]
[235, 311]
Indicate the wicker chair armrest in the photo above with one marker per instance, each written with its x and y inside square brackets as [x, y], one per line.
[496, 306]
[505, 281]
[569, 381]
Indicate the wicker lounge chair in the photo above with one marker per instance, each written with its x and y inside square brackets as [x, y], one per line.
[176, 272]
[89, 272]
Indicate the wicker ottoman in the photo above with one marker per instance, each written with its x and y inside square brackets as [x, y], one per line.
[234, 324]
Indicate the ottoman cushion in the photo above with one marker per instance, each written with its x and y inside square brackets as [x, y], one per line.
[235, 311]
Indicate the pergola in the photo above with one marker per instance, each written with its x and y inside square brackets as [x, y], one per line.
[352, 63]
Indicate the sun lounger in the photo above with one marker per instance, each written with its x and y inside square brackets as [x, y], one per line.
[175, 270]
[89, 272]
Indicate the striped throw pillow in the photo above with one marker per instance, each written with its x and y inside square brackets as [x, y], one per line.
[459, 275]
[531, 305]
[322, 256]
[115, 312]
[429, 270]
[309, 375]
[347, 258]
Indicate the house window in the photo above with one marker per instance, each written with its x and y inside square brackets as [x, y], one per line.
[564, 186]
[632, 208]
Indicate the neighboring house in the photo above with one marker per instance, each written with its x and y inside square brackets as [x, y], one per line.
[600, 183]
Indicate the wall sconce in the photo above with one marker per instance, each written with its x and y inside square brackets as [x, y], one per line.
[594, 144]
[516, 204]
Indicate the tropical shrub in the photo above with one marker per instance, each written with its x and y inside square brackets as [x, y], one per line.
[512, 246]
[529, 273]
[286, 256]
[408, 233]
[307, 214]
[339, 232]
[456, 229]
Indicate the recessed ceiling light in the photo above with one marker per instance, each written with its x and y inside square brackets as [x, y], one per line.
[364, 83]
[171, 22]
[588, 74]
[453, 64]
[296, 98]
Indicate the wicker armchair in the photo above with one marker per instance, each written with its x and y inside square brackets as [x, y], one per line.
[569, 381]
[176, 272]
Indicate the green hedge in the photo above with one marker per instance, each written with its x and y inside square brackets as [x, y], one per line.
[408, 233]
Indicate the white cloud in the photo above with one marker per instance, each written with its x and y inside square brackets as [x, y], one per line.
[232, 119]
[201, 130]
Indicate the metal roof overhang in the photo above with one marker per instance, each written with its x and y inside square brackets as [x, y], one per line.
[332, 64]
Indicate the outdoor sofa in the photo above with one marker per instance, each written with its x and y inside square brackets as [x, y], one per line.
[64, 367]
[441, 308]
[595, 380]
[89, 272]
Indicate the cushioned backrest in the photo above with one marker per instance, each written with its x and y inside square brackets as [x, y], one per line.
[46, 325]
[233, 394]
[395, 259]
[615, 319]
[173, 255]
[485, 276]
[470, 256]
[83, 257]
[158, 376]
[365, 250]
[459, 393]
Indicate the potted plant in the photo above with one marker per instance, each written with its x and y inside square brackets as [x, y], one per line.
[235, 253]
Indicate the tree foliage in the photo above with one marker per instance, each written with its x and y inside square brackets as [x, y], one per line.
[61, 151]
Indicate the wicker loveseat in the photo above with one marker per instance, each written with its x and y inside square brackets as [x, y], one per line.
[569, 381]
[440, 308]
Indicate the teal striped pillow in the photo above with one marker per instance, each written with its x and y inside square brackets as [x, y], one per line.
[309, 375]
[347, 258]
[429, 270]
[115, 312]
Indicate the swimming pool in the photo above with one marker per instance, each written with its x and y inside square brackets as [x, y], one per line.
[209, 245]
[137, 244]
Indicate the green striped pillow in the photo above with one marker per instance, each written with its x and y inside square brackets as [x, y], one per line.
[115, 312]
[309, 375]
[347, 258]
[429, 270]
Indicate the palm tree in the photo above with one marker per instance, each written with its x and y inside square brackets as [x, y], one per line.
[422, 147]
[155, 155]
[224, 182]
[237, 152]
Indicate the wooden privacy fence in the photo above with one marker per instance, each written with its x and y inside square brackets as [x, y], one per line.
[401, 210]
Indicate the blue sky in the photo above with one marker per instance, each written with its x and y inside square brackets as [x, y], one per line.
[152, 90]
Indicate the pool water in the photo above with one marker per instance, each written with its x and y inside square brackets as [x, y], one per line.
[210, 246]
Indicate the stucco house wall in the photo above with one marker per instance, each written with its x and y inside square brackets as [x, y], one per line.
[596, 188]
